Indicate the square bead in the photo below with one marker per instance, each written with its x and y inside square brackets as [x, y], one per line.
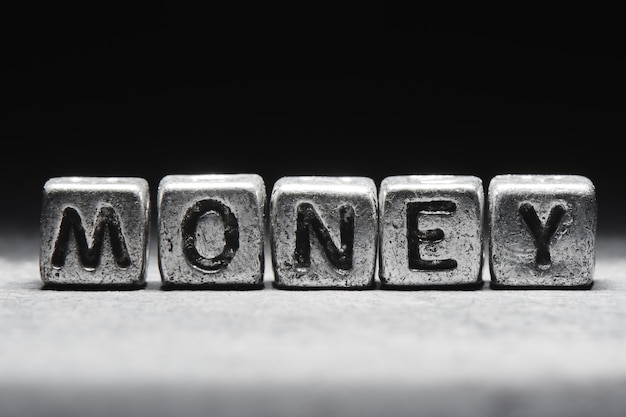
[94, 231]
[431, 231]
[542, 231]
[323, 232]
[211, 230]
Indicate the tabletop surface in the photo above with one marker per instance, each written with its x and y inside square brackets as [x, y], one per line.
[274, 352]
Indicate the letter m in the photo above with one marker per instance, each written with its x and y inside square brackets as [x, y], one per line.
[106, 220]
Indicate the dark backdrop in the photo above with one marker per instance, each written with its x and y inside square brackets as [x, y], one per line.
[122, 88]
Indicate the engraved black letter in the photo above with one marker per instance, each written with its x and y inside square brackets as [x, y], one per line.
[417, 236]
[542, 234]
[106, 220]
[231, 235]
[307, 218]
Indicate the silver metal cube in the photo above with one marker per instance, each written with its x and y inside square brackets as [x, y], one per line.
[431, 231]
[211, 230]
[94, 231]
[323, 232]
[542, 231]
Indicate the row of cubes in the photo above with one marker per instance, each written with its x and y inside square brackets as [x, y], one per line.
[415, 231]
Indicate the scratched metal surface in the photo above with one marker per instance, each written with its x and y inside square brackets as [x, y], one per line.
[273, 352]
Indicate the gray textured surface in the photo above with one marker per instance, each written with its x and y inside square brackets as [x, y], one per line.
[461, 229]
[274, 352]
[327, 196]
[515, 255]
[218, 260]
[88, 198]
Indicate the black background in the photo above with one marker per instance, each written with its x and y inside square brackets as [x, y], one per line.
[150, 89]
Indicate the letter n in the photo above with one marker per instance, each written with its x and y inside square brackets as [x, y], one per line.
[308, 219]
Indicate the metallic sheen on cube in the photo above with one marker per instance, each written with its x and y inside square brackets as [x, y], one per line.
[323, 232]
[94, 231]
[431, 230]
[211, 229]
[542, 230]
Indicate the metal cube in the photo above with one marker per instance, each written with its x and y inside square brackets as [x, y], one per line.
[211, 230]
[94, 231]
[431, 231]
[323, 232]
[542, 231]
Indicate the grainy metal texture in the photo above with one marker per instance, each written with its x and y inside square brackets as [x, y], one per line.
[323, 231]
[542, 230]
[431, 230]
[211, 229]
[94, 231]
